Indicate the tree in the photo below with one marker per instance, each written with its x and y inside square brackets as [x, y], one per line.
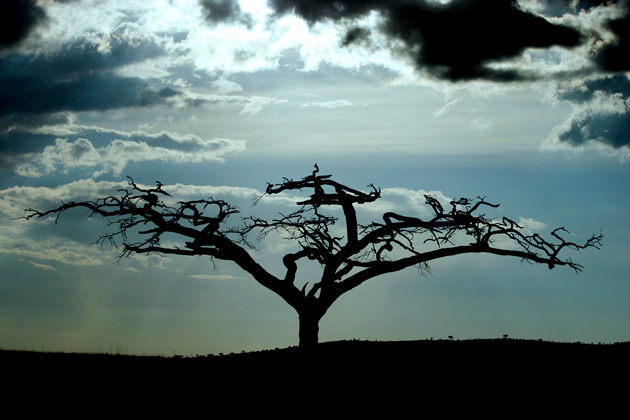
[348, 256]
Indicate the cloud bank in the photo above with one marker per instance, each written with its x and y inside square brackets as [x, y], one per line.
[601, 115]
[455, 41]
[114, 157]
[80, 77]
[184, 55]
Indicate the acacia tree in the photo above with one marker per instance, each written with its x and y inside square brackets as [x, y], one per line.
[349, 253]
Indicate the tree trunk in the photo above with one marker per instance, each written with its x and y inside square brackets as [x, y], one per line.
[309, 330]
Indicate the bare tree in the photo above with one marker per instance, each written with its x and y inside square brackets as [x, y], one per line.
[349, 255]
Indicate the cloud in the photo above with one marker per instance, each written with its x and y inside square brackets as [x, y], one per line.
[531, 226]
[115, 156]
[44, 267]
[226, 86]
[605, 24]
[455, 41]
[254, 104]
[613, 56]
[355, 35]
[18, 19]
[601, 114]
[15, 199]
[16, 242]
[445, 108]
[42, 239]
[528, 226]
[330, 104]
[481, 126]
[225, 11]
[405, 201]
[80, 77]
[63, 251]
[190, 192]
[601, 99]
[24, 133]
[558, 8]
[18, 233]
[250, 105]
[22, 144]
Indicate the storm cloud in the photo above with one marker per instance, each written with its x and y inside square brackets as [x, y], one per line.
[456, 41]
[602, 113]
[80, 77]
[475, 40]
[17, 20]
[610, 55]
[225, 11]
[614, 56]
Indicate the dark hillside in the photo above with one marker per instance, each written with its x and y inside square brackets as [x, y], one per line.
[472, 371]
[433, 356]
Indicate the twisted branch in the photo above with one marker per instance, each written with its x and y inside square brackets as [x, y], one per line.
[366, 251]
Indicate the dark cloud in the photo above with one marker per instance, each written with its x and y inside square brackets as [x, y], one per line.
[99, 92]
[458, 41]
[589, 90]
[17, 20]
[616, 56]
[355, 35]
[79, 78]
[19, 133]
[81, 57]
[454, 41]
[15, 145]
[609, 129]
[612, 57]
[603, 113]
[225, 11]
[558, 8]
[318, 10]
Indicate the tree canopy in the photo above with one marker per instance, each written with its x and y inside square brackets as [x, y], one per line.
[349, 252]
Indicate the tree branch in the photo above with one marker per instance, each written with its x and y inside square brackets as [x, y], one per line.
[367, 251]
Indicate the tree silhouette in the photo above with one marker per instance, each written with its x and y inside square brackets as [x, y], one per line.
[348, 256]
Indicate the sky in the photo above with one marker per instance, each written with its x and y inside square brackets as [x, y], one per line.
[523, 102]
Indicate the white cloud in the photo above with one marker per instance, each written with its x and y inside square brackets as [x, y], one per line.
[600, 118]
[16, 242]
[229, 48]
[405, 202]
[250, 105]
[149, 260]
[115, 156]
[530, 225]
[330, 104]
[15, 199]
[44, 267]
[254, 104]
[35, 239]
[184, 191]
[226, 86]
[445, 108]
